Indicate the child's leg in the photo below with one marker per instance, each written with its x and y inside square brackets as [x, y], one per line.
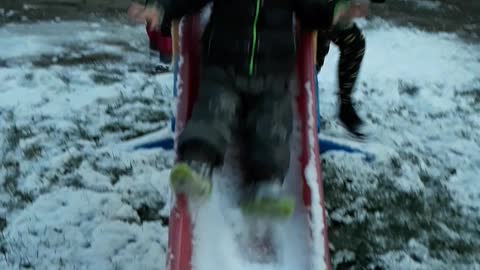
[268, 128]
[203, 141]
[268, 125]
[209, 130]
[152, 38]
[351, 43]
[267, 151]
[165, 49]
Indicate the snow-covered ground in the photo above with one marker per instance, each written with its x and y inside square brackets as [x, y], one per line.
[74, 196]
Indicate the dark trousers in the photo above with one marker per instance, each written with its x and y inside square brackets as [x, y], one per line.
[351, 43]
[256, 109]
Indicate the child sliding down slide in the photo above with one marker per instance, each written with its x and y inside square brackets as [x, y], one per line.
[248, 55]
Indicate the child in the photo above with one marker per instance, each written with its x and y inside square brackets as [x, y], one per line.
[160, 40]
[351, 42]
[248, 56]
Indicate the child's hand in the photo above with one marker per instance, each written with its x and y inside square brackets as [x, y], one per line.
[359, 8]
[150, 15]
[134, 11]
[348, 12]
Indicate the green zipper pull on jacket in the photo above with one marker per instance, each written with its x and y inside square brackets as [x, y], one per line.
[254, 38]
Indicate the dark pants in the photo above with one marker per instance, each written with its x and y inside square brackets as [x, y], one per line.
[351, 43]
[258, 109]
[161, 43]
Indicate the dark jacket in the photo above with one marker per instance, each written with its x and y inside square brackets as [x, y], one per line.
[253, 37]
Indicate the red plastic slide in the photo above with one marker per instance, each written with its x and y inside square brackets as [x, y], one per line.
[180, 251]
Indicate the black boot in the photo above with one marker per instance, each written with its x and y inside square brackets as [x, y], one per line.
[349, 118]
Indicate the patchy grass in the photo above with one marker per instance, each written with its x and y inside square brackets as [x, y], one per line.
[111, 166]
[148, 214]
[122, 44]
[33, 152]
[379, 217]
[106, 78]
[408, 88]
[473, 95]
[69, 60]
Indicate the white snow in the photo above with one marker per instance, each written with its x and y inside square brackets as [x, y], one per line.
[75, 196]
[223, 236]
[81, 229]
[443, 69]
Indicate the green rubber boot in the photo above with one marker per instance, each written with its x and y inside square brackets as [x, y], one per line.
[185, 179]
[267, 201]
[274, 208]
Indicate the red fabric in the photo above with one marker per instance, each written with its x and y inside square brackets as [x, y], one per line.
[165, 45]
[160, 43]
[152, 39]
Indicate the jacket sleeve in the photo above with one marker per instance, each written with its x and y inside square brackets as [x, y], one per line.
[179, 8]
[317, 14]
